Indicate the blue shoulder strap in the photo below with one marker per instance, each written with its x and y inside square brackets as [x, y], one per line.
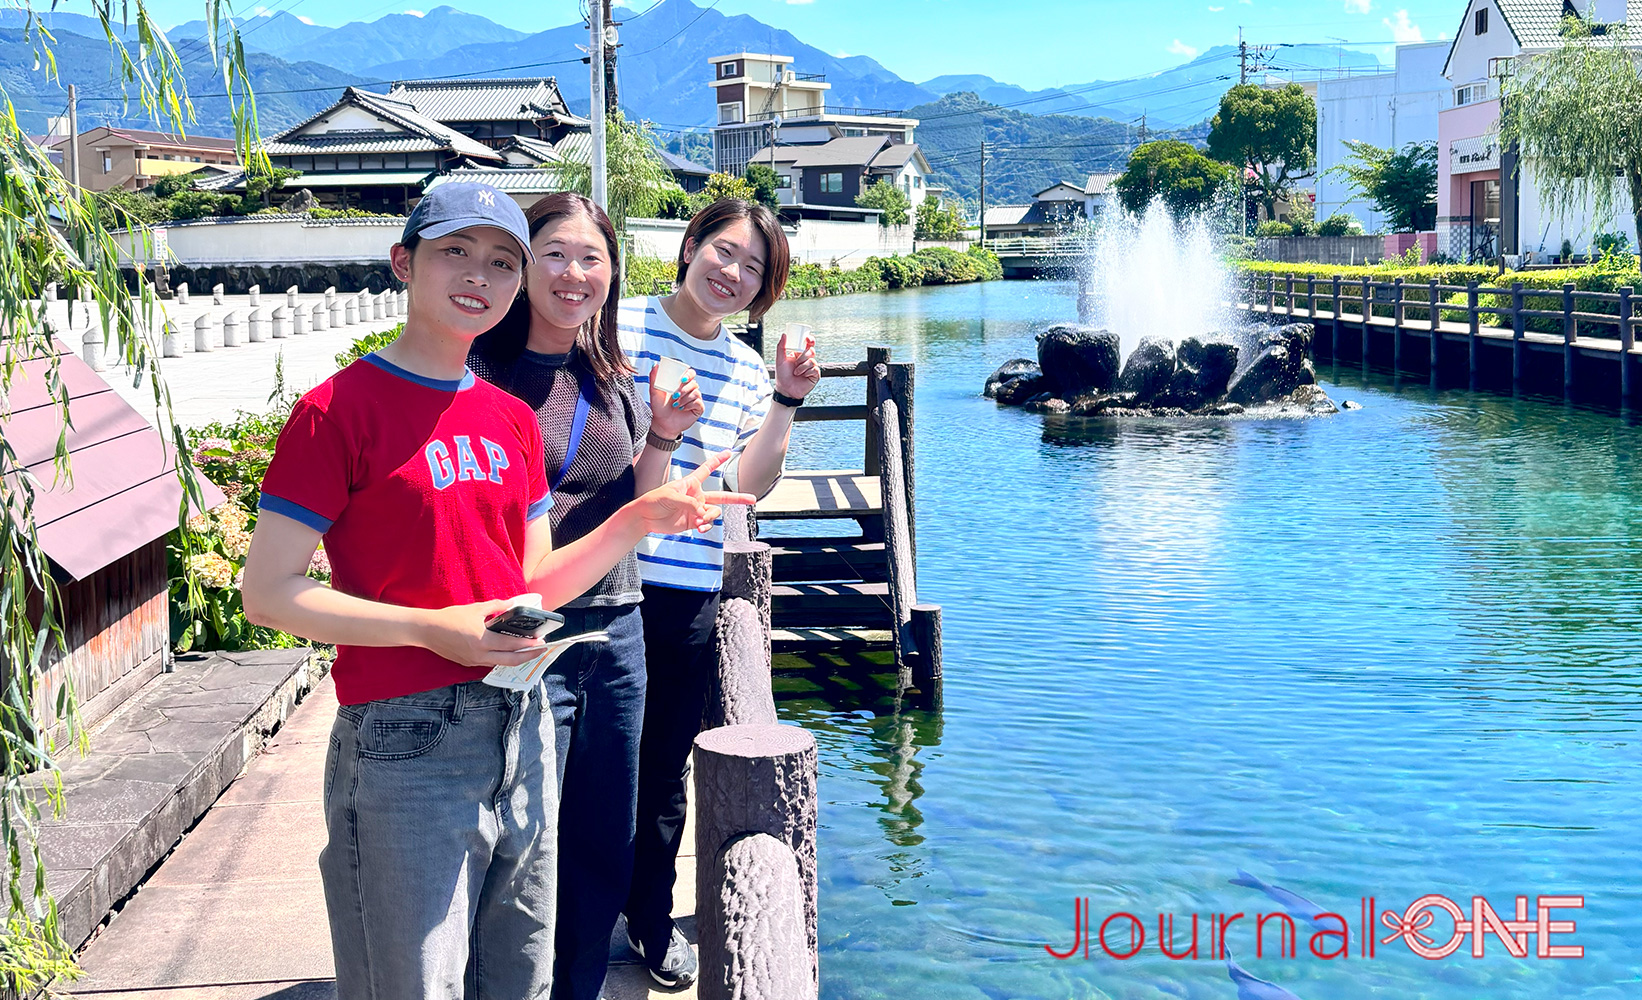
[584, 402]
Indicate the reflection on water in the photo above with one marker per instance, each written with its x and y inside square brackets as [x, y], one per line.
[1386, 653]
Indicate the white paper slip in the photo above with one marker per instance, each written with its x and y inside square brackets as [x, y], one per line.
[524, 676]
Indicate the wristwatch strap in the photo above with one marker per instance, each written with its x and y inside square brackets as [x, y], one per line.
[661, 443]
[785, 400]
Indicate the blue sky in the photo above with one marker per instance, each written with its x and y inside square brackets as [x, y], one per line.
[1035, 43]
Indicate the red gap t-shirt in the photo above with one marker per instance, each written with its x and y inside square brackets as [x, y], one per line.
[422, 489]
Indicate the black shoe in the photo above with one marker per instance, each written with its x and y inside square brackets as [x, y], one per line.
[674, 970]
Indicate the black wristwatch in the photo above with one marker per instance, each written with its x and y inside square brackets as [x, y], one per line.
[663, 444]
[785, 400]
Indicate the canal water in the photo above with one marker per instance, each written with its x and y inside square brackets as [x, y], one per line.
[1389, 653]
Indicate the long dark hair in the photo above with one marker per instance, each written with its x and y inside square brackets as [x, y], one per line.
[718, 216]
[596, 340]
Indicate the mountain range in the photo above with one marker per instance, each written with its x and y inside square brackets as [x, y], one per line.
[299, 68]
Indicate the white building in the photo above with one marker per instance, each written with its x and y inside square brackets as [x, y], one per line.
[1389, 110]
[1481, 195]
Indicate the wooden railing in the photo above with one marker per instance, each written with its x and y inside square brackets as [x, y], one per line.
[1573, 321]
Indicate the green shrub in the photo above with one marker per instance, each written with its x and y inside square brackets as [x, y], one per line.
[342, 213]
[1610, 243]
[368, 343]
[672, 203]
[1267, 230]
[1339, 224]
[986, 262]
[647, 275]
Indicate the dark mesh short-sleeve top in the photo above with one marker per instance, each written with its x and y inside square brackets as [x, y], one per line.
[600, 478]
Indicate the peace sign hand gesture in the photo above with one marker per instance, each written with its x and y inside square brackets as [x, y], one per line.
[682, 504]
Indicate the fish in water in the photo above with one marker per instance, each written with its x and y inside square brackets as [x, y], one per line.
[1251, 988]
[1293, 902]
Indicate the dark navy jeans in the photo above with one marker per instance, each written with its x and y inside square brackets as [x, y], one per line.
[596, 691]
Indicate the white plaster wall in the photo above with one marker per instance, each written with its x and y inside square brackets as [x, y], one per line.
[813, 241]
[1472, 51]
[1541, 229]
[273, 241]
[346, 120]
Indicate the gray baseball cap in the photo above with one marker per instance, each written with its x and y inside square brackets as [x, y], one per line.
[457, 205]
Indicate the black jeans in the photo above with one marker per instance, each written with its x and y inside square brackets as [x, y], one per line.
[597, 693]
[681, 657]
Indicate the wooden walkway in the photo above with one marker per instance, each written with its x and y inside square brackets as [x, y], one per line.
[1593, 354]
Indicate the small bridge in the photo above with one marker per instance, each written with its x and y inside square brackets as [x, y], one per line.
[1039, 256]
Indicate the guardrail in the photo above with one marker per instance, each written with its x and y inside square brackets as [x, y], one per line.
[1039, 246]
[1569, 321]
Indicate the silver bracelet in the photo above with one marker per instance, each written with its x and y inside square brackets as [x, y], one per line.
[661, 443]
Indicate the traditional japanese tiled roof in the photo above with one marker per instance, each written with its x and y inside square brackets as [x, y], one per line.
[1099, 183]
[485, 100]
[1537, 24]
[1007, 215]
[539, 150]
[679, 165]
[413, 132]
[510, 181]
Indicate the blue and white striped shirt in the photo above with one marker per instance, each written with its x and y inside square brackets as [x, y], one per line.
[735, 391]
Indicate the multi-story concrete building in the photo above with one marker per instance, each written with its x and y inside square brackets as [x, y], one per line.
[134, 159]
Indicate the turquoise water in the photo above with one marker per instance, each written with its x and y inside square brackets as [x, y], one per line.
[1388, 653]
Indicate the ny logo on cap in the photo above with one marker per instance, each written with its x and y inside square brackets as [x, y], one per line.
[487, 198]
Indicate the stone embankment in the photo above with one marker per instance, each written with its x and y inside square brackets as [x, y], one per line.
[1256, 370]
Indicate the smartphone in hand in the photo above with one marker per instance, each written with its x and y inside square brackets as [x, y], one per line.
[524, 621]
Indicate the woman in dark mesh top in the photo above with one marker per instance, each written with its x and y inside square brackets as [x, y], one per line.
[557, 350]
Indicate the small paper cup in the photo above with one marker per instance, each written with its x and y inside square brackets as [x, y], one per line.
[670, 373]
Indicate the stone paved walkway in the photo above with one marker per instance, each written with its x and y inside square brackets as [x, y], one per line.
[215, 385]
[237, 913]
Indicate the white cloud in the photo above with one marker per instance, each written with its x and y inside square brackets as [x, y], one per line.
[1403, 31]
[797, 2]
[305, 20]
[415, 13]
[1180, 48]
[1358, 6]
[842, 55]
[1216, 10]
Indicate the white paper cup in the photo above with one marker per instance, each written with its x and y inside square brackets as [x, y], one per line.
[796, 334]
[670, 373]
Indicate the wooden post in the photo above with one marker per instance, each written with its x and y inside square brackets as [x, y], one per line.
[1311, 298]
[1271, 295]
[1436, 328]
[754, 779]
[1569, 332]
[1336, 324]
[1471, 321]
[875, 356]
[1516, 336]
[1397, 325]
[926, 635]
[903, 583]
[748, 575]
[1627, 340]
[1367, 310]
[1288, 295]
[901, 390]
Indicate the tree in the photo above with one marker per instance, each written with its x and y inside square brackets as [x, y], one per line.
[56, 232]
[261, 185]
[762, 177]
[889, 199]
[1402, 186]
[1175, 171]
[937, 222]
[1273, 133]
[635, 174]
[1574, 113]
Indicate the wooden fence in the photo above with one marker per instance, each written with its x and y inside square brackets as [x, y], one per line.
[1591, 333]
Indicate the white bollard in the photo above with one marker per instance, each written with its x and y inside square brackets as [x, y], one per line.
[390, 304]
[54, 292]
[203, 334]
[350, 311]
[256, 295]
[290, 297]
[299, 321]
[376, 307]
[230, 330]
[330, 296]
[216, 294]
[182, 293]
[279, 322]
[91, 348]
[253, 327]
[85, 293]
[320, 314]
[336, 315]
[172, 341]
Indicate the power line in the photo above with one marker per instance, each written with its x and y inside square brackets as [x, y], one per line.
[682, 30]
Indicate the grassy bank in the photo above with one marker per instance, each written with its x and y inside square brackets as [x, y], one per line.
[932, 266]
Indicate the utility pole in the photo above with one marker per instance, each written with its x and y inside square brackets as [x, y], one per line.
[73, 160]
[983, 192]
[1145, 136]
[595, 106]
[1242, 57]
[611, 44]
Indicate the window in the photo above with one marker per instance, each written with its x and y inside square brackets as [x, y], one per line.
[1470, 94]
[783, 181]
[917, 181]
[727, 70]
[832, 183]
[108, 164]
[854, 131]
[371, 163]
[1482, 21]
[729, 114]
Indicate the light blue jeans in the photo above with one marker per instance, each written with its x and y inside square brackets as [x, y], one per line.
[439, 873]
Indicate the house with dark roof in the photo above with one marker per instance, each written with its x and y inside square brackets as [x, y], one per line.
[493, 111]
[833, 174]
[1487, 202]
[692, 177]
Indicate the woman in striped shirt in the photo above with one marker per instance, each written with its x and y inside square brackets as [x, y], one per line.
[734, 257]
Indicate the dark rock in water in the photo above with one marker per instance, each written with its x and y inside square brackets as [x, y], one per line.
[1202, 371]
[1046, 403]
[1009, 371]
[1312, 399]
[1351, 404]
[1077, 359]
[1280, 367]
[1091, 403]
[1149, 368]
[1018, 390]
[1223, 410]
